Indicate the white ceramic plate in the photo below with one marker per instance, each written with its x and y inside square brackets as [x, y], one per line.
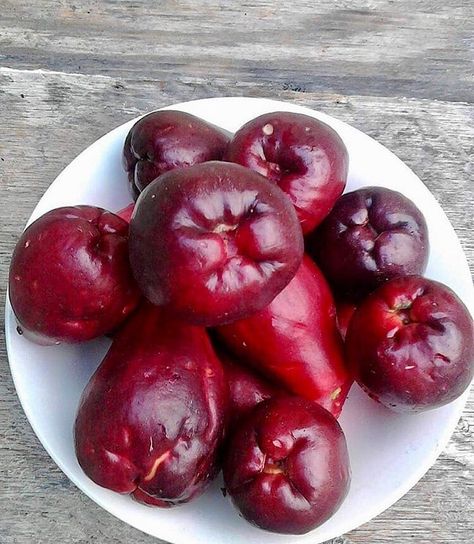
[389, 452]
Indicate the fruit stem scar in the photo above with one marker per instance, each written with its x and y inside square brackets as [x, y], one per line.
[155, 466]
[272, 469]
[267, 129]
[404, 305]
[224, 228]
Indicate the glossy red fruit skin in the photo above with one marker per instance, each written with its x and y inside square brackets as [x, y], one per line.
[345, 310]
[372, 235]
[214, 242]
[410, 344]
[164, 140]
[303, 155]
[70, 278]
[295, 342]
[151, 418]
[127, 212]
[287, 467]
[246, 388]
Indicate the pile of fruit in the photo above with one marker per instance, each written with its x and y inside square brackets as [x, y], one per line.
[227, 290]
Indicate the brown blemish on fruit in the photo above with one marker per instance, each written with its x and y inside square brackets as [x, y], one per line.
[272, 469]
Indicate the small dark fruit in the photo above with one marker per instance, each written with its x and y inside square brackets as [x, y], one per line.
[372, 235]
[167, 139]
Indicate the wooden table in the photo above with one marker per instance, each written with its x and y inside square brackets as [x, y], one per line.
[70, 70]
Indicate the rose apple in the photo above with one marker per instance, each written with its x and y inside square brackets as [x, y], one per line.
[303, 155]
[371, 235]
[295, 342]
[213, 242]
[287, 466]
[151, 418]
[411, 344]
[246, 388]
[70, 278]
[167, 139]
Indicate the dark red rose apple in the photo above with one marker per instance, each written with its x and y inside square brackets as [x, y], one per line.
[411, 344]
[214, 242]
[371, 235]
[164, 140]
[246, 388]
[303, 155]
[287, 466]
[151, 418]
[295, 342]
[345, 310]
[70, 278]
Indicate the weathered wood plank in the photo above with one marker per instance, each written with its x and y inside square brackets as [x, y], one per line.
[365, 47]
[48, 118]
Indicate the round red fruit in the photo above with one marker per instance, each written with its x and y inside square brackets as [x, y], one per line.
[70, 278]
[287, 466]
[372, 235]
[168, 139]
[214, 242]
[411, 344]
[304, 156]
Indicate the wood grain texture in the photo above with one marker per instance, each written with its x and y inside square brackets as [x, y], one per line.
[416, 48]
[68, 76]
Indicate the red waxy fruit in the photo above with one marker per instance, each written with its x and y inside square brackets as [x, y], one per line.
[214, 242]
[371, 235]
[303, 155]
[246, 388]
[70, 278]
[410, 344]
[164, 140]
[287, 466]
[295, 342]
[152, 416]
